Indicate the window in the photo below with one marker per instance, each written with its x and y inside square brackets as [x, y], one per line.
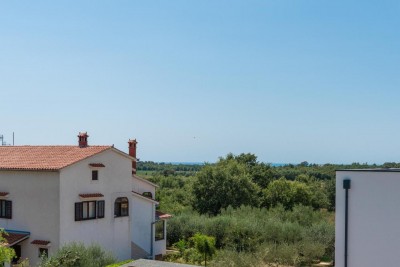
[5, 209]
[159, 235]
[148, 194]
[100, 209]
[43, 252]
[121, 207]
[87, 210]
[95, 175]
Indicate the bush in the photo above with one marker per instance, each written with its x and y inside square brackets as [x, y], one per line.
[276, 235]
[77, 255]
[232, 258]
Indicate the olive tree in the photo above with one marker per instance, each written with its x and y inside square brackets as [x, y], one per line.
[227, 183]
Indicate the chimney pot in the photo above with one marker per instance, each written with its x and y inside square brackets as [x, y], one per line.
[132, 153]
[83, 139]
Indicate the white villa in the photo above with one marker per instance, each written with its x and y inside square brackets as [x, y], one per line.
[53, 195]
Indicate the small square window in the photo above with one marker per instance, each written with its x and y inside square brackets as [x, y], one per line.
[95, 175]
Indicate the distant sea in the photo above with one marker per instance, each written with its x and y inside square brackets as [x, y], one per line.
[202, 163]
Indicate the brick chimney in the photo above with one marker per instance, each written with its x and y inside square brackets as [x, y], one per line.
[132, 153]
[83, 139]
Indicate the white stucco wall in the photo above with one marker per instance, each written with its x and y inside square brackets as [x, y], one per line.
[140, 185]
[35, 198]
[114, 181]
[373, 225]
[143, 214]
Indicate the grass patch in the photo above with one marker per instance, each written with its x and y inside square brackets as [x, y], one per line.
[119, 263]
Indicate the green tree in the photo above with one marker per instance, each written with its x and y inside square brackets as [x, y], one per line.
[287, 193]
[261, 173]
[205, 245]
[6, 253]
[227, 183]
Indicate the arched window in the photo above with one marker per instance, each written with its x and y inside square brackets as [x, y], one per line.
[121, 207]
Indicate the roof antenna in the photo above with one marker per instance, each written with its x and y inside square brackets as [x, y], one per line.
[2, 142]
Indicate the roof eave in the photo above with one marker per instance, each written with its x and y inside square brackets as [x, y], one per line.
[144, 180]
[30, 170]
[144, 198]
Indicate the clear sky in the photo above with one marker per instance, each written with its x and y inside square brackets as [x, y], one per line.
[290, 81]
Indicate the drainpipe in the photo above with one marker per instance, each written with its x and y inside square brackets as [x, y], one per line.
[152, 233]
[346, 186]
[152, 241]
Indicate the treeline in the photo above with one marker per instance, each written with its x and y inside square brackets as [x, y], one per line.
[258, 214]
[237, 180]
[167, 169]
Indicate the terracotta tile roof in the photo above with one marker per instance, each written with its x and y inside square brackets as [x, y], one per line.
[40, 242]
[96, 165]
[91, 195]
[14, 237]
[3, 194]
[44, 157]
[162, 215]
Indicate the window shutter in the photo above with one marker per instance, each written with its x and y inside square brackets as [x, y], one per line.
[117, 206]
[78, 211]
[8, 209]
[100, 208]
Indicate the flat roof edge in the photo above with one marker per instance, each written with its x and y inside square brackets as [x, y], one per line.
[370, 170]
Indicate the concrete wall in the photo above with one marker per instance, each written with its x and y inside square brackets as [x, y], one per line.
[35, 208]
[115, 180]
[143, 214]
[373, 225]
[139, 185]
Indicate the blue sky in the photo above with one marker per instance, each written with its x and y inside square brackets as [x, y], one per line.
[312, 80]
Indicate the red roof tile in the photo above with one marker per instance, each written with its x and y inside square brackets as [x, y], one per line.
[40, 242]
[91, 195]
[44, 157]
[13, 238]
[163, 215]
[3, 194]
[96, 165]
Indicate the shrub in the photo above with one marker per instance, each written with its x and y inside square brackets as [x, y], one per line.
[77, 255]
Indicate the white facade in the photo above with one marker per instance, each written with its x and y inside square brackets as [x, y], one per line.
[114, 181]
[35, 198]
[43, 204]
[373, 237]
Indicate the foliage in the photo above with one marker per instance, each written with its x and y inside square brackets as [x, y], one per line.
[261, 174]
[6, 253]
[259, 214]
[232, 258]
[174, 191]
[254, 231]
[287, 193]
[78, 255]
[168, 169]
[119, 263]
[228, 183]
[205, 245]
